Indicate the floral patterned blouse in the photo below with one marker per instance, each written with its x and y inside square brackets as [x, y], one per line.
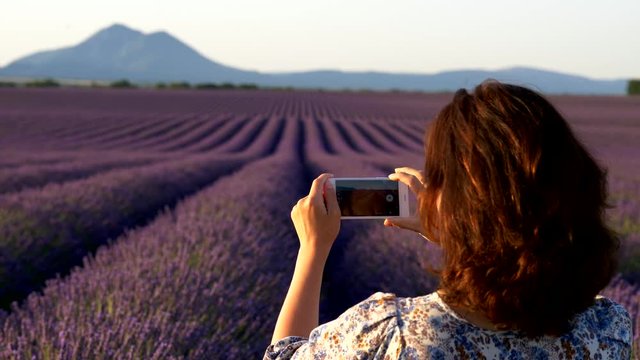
[388, 327]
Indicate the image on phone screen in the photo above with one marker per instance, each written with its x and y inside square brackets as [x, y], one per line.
[370, 197]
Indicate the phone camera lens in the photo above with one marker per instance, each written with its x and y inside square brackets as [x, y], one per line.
[389, 198]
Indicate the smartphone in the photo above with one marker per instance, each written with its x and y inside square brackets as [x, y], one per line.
[371, 198]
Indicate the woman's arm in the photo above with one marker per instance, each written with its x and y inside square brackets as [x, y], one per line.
[316, 218]
[299, 314]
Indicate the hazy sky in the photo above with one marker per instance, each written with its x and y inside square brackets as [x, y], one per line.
[593, 38]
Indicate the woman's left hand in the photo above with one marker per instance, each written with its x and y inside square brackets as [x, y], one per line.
[316, 217]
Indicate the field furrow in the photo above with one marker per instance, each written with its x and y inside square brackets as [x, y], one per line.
[192, 135]
[225, 132]
[158, 125]
[29, 176]
[393, 139]
[123, 127]
[166, 129]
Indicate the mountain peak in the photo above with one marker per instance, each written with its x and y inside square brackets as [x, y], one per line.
[119, 28]
[115, 32]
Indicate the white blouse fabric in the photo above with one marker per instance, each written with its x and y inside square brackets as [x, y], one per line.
[387, 327]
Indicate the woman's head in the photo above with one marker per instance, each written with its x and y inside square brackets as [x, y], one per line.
[516, 203]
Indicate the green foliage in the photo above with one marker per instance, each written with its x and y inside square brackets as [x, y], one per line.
[5, 84]
[633, 88]
[248, 86]
[207, 86]
[180, 85]
[161, 85]
[226, 85]
[48, 82]
[123, 83]
[282, 88]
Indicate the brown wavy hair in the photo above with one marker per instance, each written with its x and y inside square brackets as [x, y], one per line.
[517, 204]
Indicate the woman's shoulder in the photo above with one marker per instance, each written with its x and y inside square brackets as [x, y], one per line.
[395, 311]
[389, 304]
[377, 307]
[606, 318]
[604, 305]
[427, 313]
[429, 319]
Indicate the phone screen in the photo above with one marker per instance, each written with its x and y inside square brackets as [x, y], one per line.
[368, 197]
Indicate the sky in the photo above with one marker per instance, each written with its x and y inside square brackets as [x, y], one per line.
[597, 39]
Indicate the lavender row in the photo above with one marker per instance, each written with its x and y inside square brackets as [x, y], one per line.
[325, 140]
[29, 176]
[201, 282]
[185, 135]
[12, 159]
[155, 126]
[48, 230]
[32, 129]
[111, 129]
[624, 217]
[160, 133]
[212, 141]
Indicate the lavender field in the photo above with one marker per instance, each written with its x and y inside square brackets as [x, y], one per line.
[155, 224]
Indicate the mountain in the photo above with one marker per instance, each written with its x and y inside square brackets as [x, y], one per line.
[118, 52]
[545, 81]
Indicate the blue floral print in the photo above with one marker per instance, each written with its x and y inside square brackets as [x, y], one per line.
[388, 327]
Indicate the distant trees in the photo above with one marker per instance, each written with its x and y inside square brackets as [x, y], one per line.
[180, 85]
[633, 88]
[122, 83]
[48, 82]
[127, 84]
[173, 85]
[248, 86]
[225, 85]
[207, 86]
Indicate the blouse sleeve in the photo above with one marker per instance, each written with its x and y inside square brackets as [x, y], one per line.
[366, 329]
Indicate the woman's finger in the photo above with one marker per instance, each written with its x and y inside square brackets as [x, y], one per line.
[411, 181]
[316, 188]
[412, 224]
[411, 171]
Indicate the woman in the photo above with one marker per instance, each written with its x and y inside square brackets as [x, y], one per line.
[516, 203]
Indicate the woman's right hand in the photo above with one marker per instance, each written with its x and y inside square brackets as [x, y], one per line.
[414, 179]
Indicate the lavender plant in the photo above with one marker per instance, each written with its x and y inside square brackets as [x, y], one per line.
[28, 176]
[203, 281]
[206, 279]
[47, 230]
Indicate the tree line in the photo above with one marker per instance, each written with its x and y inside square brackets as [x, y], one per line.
[633, 85]
[125, 83]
